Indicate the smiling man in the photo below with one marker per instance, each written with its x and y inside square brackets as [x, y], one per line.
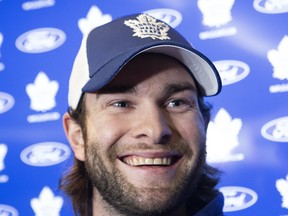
[137, 123]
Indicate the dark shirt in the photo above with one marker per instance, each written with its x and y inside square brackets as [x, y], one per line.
[212, 208]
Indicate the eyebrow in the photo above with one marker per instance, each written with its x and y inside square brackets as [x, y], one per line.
[178, 87]
[118, 89]
[170, 89]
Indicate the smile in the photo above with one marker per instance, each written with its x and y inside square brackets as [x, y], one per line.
[143, 161]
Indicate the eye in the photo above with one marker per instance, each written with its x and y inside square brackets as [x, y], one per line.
[121, 104]
[177, 103]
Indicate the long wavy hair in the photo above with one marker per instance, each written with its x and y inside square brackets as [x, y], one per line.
[77, 184]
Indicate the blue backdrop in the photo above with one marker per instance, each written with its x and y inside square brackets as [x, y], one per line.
[248, 132]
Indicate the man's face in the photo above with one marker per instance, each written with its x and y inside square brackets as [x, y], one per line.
[145, 141]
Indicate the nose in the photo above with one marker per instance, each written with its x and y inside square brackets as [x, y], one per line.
[152, 126]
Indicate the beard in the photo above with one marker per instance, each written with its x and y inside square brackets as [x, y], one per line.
[129, 200]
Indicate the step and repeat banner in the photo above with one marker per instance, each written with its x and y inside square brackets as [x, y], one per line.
[248, 132]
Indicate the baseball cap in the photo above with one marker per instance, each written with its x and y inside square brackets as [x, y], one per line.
[107, 48]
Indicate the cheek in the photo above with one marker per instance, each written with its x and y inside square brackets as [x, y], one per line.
[191, 129]
[105, 131]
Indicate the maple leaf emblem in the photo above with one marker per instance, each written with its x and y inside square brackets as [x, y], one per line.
[146, 26]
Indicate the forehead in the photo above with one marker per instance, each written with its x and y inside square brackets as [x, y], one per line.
[151, 67]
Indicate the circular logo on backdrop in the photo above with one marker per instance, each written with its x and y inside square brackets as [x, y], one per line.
[170, 16]
[231, 71]
[276, 130]
[6, 102]
[8, 210]
[40, 40]
[271, 7]
[238, 198]
[45, 154]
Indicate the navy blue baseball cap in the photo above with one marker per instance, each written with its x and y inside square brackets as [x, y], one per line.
[107, 48]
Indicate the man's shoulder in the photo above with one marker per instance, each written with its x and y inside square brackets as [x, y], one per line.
[213, 207]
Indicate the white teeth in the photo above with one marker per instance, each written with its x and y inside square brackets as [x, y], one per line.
[138, 161]
[158, 161]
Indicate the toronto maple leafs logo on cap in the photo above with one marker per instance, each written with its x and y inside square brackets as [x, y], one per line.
[146, 26]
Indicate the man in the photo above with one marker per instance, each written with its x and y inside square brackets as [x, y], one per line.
[137, 123]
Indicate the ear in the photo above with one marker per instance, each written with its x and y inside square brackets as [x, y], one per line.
[74, 135]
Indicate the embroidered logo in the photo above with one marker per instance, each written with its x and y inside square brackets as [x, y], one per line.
[146, 26]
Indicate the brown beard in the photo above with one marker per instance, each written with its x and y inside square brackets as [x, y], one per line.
[125, 198]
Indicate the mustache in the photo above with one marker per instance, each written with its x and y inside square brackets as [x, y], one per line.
[179, 147]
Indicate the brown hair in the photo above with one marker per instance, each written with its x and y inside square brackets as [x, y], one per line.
[77, 184]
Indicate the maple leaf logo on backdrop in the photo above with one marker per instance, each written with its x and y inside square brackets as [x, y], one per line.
[1, 41]
[3, 152]
[282, 187]
[278, 58]
[94, 18]
[47, 204]
[222, 138]
[216, 12]
[2, 66]
[42, 93]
